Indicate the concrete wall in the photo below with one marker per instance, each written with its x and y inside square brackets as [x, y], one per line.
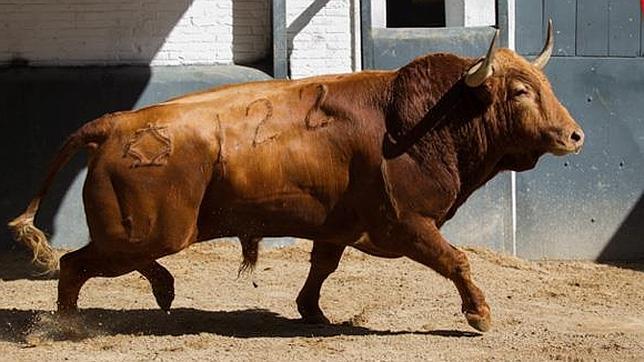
[597, 70]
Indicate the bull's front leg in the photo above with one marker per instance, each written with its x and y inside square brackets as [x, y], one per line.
[419, 239]
[325, 258]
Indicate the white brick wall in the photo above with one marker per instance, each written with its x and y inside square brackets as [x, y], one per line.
[202, 34]
[157, 32]
[172, 32]
[251, 30]
[323, 45]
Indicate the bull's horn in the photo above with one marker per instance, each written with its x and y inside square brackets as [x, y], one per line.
[542, 59]
[483, 69]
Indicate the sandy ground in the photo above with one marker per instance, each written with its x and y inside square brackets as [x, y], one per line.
[381, 309]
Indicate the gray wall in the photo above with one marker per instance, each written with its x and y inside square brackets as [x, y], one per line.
[588, 206]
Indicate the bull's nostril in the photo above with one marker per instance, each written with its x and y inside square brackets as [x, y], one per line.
[575, 136]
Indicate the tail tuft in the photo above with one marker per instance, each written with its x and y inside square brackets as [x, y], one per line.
[23, 226]
[250, 246]
[24, 231]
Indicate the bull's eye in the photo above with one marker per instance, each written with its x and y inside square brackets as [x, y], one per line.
[520, 92]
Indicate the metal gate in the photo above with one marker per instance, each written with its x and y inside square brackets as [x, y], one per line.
[486, 219]
[588, 206]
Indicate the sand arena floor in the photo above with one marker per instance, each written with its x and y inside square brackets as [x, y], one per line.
[381, 309]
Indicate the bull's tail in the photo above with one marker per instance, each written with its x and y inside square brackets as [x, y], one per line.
[91, 134]
[250, 245]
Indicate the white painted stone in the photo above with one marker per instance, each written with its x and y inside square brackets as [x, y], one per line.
[156, 32]
[470, 13]
[172, 32]
[322, 43]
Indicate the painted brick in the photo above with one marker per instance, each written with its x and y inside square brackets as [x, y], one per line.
[323, 45]
[177, 32]
[157, 32]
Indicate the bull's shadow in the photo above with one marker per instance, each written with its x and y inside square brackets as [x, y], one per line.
[18, 325]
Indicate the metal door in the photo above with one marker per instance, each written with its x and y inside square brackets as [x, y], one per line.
[588, 206]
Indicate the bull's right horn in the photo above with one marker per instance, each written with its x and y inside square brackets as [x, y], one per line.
[542, 59]
[483, 69]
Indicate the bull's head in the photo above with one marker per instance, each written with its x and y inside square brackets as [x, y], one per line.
[537, 120]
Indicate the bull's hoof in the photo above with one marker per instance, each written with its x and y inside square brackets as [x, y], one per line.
[481, 321]
[164, 298]
[163, 289]
[315, 319]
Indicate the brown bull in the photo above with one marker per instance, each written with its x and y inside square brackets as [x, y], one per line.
[374, 160]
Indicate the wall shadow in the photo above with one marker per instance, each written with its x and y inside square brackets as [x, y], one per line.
[298, 24]
[40, 107]
[627, 244]
[252, 39]
[51, 32]
[247, 323]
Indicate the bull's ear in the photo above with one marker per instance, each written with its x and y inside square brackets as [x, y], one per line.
[542, 59]
[483, 69]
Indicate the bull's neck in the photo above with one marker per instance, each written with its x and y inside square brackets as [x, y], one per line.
[464, 143]
[478, 145]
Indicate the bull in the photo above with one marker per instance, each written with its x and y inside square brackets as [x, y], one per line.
[375, 160]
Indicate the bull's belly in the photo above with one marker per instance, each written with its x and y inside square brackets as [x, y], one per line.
[287, 214]
[288, 189]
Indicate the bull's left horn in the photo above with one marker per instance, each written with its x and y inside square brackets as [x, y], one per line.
[483, 69]
[542, 59]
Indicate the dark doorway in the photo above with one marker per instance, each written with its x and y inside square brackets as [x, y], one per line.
[415, 13]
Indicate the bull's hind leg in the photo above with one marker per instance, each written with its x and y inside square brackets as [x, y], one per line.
[79, 266]
[142, 198]
[419, 239]
[325, 258]
[73, 274]
[162, 283]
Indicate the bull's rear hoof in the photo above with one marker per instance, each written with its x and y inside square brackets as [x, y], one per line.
[164, 299]
[316, 319]
[481, 321]
[163, 289]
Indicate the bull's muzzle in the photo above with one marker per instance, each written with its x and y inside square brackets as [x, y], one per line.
[577, 140]
[567, 141]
